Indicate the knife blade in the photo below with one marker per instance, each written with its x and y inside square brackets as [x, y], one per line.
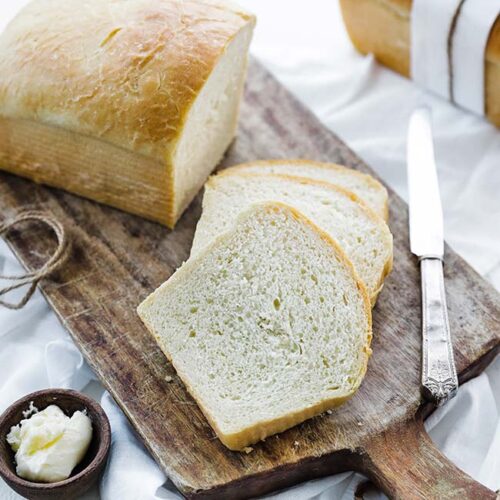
[439, 375]
[426, 213]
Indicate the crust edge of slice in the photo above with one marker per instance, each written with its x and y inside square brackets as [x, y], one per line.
[239, 440]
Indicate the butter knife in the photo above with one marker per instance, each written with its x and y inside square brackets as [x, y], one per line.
[439, 375]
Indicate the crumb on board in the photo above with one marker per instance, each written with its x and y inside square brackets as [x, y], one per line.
[168, 379]
[329, 412]
[360, 424]
[248, 449]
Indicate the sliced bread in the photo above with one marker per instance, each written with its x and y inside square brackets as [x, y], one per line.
[362, 234]
[267, 326]
[364, 186]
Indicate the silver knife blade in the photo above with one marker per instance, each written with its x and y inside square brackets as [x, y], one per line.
[426, 213]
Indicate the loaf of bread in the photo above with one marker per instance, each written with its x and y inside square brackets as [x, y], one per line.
[364, 186]
[128, 102]
[267, 326]
[382, 27]
[362, 234]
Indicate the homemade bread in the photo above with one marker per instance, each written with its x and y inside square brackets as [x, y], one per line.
[129, 102]
[267, 326]
[382, 28]
[362, 234]
[364, 186]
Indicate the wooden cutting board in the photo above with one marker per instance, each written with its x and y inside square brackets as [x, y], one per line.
[118, 259]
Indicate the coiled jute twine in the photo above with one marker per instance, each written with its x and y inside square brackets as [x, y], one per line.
[32, 278]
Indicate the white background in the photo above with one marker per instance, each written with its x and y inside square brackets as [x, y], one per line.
[305, 45]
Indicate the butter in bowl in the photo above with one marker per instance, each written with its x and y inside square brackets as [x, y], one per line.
[53, 444]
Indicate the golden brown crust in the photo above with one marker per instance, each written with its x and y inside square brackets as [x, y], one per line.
[493, 46]
[382, 27]
[239, 440]
[390, 45]
[105, 86]
[87, 167]
[126, 72]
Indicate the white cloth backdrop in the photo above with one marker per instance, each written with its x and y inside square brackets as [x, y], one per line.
[305, 45]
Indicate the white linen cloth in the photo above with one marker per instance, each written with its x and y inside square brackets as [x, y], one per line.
[452, 29]
[430, 27]
[474, 25]
[306, 47]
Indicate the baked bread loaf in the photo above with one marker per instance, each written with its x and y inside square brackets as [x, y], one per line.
[364, 186]
[129, 102]
[267, 326]
[382, 27]
[362, 234]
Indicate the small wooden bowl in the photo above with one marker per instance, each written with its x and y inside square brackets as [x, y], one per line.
[86, 473]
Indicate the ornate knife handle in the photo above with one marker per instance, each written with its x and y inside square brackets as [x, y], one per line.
[439, 375]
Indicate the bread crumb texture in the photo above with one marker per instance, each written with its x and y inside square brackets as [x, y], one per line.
[363, 235]
[267, 326]
[364, 186]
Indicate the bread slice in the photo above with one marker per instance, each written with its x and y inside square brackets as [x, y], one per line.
[363, 235]
[267, 326]
[364, 186]
[130, 103]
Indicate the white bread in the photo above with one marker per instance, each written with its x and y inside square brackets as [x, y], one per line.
[362, 234]
[267, 326]
[129, 102]
[364, 186]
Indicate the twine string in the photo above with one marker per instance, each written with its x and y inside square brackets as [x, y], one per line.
[32, 277]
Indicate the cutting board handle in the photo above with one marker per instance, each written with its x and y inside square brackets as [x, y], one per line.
[406, 464]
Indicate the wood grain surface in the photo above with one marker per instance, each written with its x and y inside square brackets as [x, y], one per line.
[118, 259]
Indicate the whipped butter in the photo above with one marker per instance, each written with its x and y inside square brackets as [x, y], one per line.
[49, 444]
